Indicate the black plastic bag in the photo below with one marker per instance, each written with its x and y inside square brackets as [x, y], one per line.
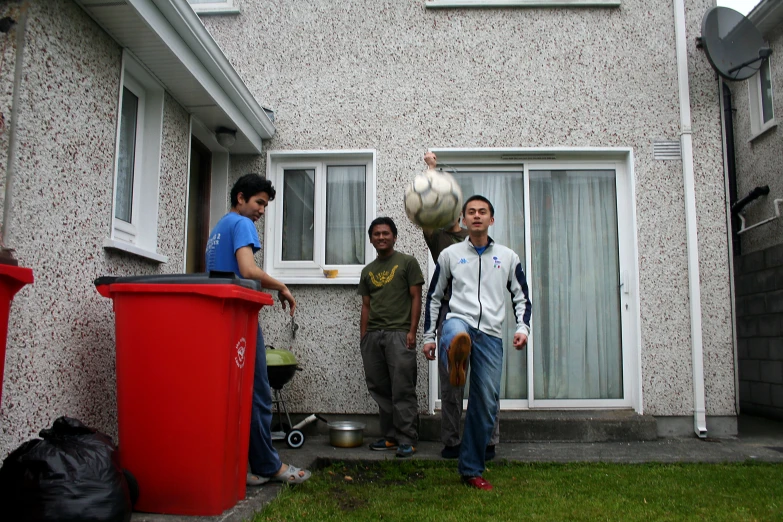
[72, 475]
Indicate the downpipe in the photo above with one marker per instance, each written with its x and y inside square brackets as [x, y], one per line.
[5, 232]
[694, 289]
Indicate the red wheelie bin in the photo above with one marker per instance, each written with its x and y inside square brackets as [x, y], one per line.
[185, 358]
[12, 279]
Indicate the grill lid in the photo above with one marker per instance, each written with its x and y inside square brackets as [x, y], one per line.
[275, 357]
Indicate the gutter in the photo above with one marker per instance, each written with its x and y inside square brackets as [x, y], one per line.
[692, 240]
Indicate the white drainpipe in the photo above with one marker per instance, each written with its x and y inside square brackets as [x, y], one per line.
[686, 141]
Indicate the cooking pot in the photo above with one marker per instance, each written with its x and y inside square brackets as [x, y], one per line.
[346, 434]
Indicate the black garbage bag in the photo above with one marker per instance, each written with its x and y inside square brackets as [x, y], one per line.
[72, 475]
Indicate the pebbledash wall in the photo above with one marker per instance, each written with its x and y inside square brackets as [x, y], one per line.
[397, 77]
[391, 76]
[759, 270]
[60, 350]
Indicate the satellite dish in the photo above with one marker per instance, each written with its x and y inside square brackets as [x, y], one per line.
[734, 46]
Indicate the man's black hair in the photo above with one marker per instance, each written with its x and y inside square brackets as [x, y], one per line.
[479, 198]
[250, 185]
[383, 221]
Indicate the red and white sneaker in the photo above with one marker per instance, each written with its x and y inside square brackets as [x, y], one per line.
[477, 482]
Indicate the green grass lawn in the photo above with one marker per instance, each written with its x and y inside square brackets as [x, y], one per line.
[420, 491]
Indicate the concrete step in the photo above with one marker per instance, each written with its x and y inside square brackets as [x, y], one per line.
[561, 426]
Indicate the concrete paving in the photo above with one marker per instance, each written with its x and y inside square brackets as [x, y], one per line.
[758, 439]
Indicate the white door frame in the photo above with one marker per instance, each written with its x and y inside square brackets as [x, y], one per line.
[621, 161]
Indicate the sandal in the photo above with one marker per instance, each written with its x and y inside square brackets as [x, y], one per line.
[256, 480]
[290, 476]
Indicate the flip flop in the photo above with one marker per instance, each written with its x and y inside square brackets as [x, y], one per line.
[291, 476]
[256, 480]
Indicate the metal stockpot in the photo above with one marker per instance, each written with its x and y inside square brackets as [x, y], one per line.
[346, 434]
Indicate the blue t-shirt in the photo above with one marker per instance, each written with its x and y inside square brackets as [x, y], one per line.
[230, 234]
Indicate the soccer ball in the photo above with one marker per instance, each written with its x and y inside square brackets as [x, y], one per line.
[433, 199]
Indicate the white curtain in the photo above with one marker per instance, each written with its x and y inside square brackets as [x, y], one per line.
[127, 156]
[505, 190]
[298, 215]
[345, 214]
[575, 273]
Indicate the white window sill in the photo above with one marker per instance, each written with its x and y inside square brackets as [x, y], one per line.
[113, 244]
[437, 4]
[771, 124]
[201, 11]
[316, 280]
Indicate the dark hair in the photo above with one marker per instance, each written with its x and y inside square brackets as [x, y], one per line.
[249, 185]
[479, 198]
[382, 221]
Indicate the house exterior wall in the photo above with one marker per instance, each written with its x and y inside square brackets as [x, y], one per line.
[398, 78]
[60, 350]
[758, 161]
[759, 269]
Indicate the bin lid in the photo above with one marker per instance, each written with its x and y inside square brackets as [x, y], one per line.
[203, 278]
[276, 357]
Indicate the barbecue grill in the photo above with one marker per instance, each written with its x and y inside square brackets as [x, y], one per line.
[281, 366]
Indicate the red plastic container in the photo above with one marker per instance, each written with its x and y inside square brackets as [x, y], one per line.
[185, 361]
[12, 279]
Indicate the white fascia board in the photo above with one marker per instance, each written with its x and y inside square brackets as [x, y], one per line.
[767, 15]
[154, 18]
[187, 23]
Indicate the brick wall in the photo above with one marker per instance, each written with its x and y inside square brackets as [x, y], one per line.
[759, 293]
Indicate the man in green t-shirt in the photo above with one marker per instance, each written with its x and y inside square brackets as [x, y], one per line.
[390, 287]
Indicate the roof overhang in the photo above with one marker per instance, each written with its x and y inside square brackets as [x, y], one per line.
[767, 16]
[168, 38]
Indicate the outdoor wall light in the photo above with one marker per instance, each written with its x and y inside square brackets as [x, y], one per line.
[225, 136]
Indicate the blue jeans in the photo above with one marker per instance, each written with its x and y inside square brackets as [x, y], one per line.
[263, 457]
[486, 367]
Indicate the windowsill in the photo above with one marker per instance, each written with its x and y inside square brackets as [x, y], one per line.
[201, 11]
[437, 4]
[771, 124]
[317, 280]
[113, 244]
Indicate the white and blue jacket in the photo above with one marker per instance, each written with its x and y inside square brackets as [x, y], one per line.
[479, 283]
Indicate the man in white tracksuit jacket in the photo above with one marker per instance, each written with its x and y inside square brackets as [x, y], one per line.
[480, 272]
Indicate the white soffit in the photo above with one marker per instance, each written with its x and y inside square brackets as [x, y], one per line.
[168, 38]
[767, 15]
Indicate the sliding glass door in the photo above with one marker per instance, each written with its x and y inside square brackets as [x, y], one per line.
[569, 241]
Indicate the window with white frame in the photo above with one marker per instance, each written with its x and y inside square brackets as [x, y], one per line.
[762, 116]
[325, 201]
[137, 163]
[214, 6]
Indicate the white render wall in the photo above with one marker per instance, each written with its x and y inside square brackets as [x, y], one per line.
[758, 161]
[393, 76]
[60, 350]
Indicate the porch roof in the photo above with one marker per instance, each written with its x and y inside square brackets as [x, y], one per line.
[168, 38]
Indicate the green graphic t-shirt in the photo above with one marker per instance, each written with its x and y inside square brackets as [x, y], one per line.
[387, 282]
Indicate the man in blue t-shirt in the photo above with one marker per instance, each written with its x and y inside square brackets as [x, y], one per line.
[230, 248]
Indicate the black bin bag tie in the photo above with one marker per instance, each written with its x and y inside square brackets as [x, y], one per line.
[71, 474]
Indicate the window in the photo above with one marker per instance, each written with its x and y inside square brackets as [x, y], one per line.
[137, 163]
[325, 202]
[762, 117]
[213, 6]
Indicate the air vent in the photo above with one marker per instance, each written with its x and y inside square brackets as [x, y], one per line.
[666, 150]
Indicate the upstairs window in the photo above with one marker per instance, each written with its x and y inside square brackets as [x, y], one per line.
[762, 117]
[213, 6]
